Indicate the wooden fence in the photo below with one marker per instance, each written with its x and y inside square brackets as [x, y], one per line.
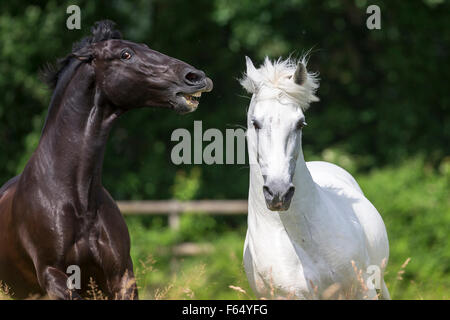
[175, 208]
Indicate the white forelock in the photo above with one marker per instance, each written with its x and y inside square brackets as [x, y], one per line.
[278, 75]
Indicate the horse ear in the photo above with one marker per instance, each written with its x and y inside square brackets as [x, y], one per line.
[250, 67]
[300, 75]
[84, 54]
[248, 81]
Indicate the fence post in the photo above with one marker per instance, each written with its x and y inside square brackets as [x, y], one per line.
[174, 220]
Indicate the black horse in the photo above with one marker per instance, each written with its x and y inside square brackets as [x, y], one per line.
[57, 213]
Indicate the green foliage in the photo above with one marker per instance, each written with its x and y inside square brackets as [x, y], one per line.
[414, 202]
[384, 98]
[186, 187]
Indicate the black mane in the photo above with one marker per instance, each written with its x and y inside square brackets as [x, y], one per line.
[101, 31]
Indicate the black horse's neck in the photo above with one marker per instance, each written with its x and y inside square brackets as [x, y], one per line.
[70, 153]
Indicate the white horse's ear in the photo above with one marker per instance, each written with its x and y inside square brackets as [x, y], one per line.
[250, 77]
[300, 75]
[250, 67]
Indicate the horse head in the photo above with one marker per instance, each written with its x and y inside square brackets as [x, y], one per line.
[131, 75]
[282, 91]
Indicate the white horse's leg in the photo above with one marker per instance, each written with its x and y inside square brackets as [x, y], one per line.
[384, 292]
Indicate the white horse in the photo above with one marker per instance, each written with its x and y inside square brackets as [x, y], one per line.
[312, 234]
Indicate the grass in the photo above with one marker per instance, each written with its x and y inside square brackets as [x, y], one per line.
[5, 293]
[165, 276]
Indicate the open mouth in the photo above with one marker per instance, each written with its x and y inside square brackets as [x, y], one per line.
[192, 99]
[188, 102]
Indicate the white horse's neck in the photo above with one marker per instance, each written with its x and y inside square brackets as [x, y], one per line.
[297, 220]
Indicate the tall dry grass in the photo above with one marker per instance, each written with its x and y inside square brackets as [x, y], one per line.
[180, 287]
[5, 292]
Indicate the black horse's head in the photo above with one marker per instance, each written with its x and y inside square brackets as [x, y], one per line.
[131, 75]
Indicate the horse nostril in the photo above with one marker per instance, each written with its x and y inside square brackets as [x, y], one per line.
[289, 194]
[267, 192]
[194, 77]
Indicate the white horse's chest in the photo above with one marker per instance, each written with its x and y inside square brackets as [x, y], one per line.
[273, 269]
[276, 264]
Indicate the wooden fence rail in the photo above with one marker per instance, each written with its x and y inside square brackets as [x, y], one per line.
[175, 208]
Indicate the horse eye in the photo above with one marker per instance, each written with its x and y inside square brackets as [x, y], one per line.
[126, 55]
[256, 124]
[301, 124]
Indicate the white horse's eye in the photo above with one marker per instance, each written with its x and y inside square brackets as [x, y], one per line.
[301, 124]
[256, 124]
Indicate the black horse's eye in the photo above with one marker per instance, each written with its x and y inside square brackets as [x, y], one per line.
[256, 124]
[126, 55]
[301, 124]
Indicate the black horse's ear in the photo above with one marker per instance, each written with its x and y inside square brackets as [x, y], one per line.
[300, 74]
[84, 54]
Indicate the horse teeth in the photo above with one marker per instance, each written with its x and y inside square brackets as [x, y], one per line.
[197, 94]
[190, 100]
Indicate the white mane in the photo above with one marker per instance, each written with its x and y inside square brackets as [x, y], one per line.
[278, 75]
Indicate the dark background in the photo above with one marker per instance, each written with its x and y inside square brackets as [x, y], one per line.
[383, 92]
[384, 113]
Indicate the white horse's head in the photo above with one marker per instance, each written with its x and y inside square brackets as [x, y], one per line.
[282, 90]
